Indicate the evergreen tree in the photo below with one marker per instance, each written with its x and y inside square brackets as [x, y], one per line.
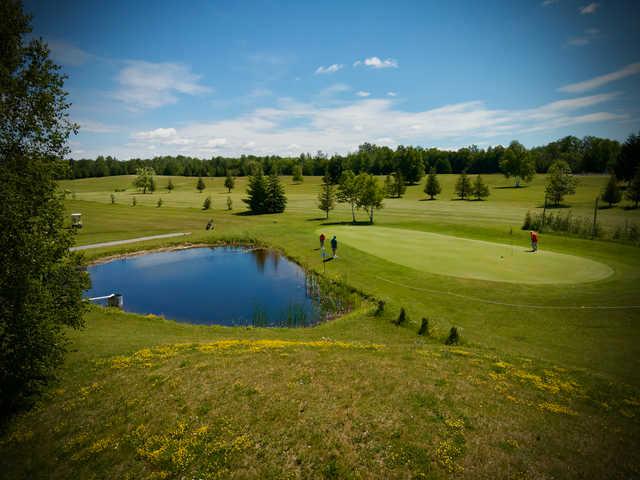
[388, 186]
[276, 201]
[612, 193]
[113, 199]
[207, 203]
[229, 203]
[560, 182]
[170, 186]
[480, 189]
[633, 190]
[41, 281]
[297, 174]
[397, 185]
[432, 188]
[256, 193]
[144, 179]
[628, 160]
[348, 191]
[463, 186]
[327, 195]
[200, 185]
[159, 204]
[229, 182]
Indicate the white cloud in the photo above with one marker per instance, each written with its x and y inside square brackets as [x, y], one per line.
[632, 69]
[546, 3]
[391, 94]
[92, 126]
[585, 39]
[362, 93]
[291, 127]
[588, 9]
[330, 69]
[152, 85]
[67, 54]
[375, 62]
[334, 89]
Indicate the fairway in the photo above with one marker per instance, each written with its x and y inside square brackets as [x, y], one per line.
[466, 258]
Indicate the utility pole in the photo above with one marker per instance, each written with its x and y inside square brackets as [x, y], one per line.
[595, 218]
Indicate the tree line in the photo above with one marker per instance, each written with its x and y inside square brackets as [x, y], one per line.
[587, 155]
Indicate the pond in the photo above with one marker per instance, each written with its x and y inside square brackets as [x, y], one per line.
[219, 285]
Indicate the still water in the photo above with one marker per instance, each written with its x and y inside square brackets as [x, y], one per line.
[220, 285]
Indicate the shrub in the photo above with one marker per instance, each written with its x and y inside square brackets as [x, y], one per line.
[134, 202]
[207, 203]
[402, 318]
[380, 308]
[113, 199]
[424, 327]
[453, 338]
[160, 202]
[229, 203]
[527, 221]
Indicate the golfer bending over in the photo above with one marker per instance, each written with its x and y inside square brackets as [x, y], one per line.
[334, 246]
[534, 241]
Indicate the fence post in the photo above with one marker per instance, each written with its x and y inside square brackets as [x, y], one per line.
[595, 218]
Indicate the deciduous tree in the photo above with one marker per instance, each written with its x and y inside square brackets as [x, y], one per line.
[516, 162]
[560, 182]
[432, 188]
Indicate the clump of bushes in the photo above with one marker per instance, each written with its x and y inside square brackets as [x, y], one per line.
[402, 318]
[424, 327]
[453, 338]
[380, 308]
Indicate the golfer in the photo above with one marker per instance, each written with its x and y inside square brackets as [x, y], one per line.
[334, 246]
[534, 240]
[322, 238]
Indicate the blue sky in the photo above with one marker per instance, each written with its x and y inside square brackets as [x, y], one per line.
[266, 77]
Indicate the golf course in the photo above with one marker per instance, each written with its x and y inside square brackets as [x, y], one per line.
[544, 381]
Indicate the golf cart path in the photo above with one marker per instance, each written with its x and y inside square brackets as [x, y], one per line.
[130, 240]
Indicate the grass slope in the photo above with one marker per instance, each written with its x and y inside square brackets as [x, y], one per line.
[530, 393]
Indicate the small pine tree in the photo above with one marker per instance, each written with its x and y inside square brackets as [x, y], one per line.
[327, 195]
[276, 200]
[453, 338]
[463, 186]
[113, 199]
[159, 204]
[207, 203]
[424, 327]
[229, 203]
[432, 188]
[480, 189]
[200, 185]
[134, 202]
[229, 183]
[170, 185]
[633, 190]
[256, 193]
[402, 317]
[380, 308]
[527, 221]
[297, 174]
[612, 193]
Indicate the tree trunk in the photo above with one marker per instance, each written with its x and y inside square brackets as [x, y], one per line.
[371, 216]
[353, 213]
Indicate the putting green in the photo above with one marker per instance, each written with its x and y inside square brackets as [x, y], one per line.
[461, 257]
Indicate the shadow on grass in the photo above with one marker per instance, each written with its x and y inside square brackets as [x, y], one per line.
[317, 219]
[511, 186]
[359, 223]
[630, 207]
[554, 207]
[427, 200]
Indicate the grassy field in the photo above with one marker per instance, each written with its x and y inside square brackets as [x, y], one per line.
[545, 384]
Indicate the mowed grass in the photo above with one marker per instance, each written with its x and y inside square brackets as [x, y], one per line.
[530, 393]
[465, 258]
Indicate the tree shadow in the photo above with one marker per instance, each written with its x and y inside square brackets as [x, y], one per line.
[328, 259]
[358, 223]
[555, 207]
[317, 219]
[511, 186]
[606, 207]
[427, 200]
[630, 207]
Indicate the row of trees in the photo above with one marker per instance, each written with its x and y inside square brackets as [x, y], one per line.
[587, 155]
[362, 191]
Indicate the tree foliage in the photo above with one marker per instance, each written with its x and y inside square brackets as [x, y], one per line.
[560, 182]
[633, 190]
[276, 200]
[432, 188]
[144, 179]
[348, 192]
[370, 194]
[265, 195]
[463, 186]
[394, 185]
[480, 189]
[517, 163]
[327, 195]
[170, 185]
[229, 183]
[297, 174]
[206, 205]
[41, 282]
[200, 185]
[612, 193]
[629, 158]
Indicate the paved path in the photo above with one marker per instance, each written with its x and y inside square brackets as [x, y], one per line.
[130, 240]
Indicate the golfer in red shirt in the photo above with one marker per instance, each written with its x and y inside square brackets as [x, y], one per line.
[534, 241]
[322, 237]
